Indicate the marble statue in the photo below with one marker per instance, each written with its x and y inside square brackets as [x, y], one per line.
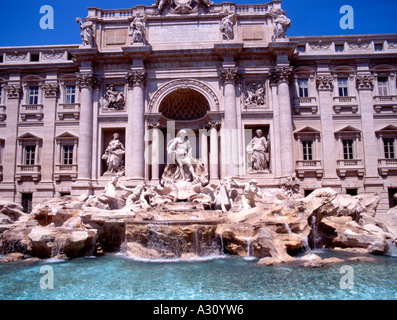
[113, 100]
[226, 26]
[114, 155]
[282, 24]
[182, 6]
[250, 192]
[258, 149]
[180, 147]
[137, 29]
[291, 186]
[108, 199]
[86, 31]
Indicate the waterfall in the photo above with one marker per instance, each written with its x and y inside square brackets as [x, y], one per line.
[58, 247]
[222, 247]
[392, 249]
[316, 238]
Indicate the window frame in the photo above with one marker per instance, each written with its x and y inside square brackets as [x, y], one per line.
[343, 87]
[303, 91]
[389, 150]
[34, 96]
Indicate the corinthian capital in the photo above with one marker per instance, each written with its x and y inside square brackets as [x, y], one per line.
[365, 82]
[136, 78]
[50, 90]
[229, 75]
[282, 74]
[325, 83]
[86, 80]
[14, 91]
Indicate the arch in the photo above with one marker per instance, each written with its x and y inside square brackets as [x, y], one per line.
[171, 86]
[32, 78]
[184, 105]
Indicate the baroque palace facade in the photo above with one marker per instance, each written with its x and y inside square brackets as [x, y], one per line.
[73, 115]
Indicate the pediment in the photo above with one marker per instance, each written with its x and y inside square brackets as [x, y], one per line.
[29, 136]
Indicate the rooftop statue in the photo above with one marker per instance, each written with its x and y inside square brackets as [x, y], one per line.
[86, 31]
[137, 29]
[181, 6]
[282, 24]
[226, 26]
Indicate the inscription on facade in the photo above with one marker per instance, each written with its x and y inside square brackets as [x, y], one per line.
[205, 32]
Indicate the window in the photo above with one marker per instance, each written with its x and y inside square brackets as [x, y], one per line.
[307, 150]
[67, 154]
[382, 86]
[389, 148]
[301, 49]
[352, 192]
[347, 149]
[343, 87]
[1, 58]
[303, 85]
[378, 46]
[70, 94]
[33, 95]
[339, 48]
[29, 156]
[34, 57]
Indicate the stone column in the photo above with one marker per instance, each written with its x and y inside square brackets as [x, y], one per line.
[365, 87]
[281, 76]
[13, 94]
[86, 82]
[214, 151]
[330, 154]
[47, 155]
[229, 77]
[157, 150]
[204, 147]
[135, 143]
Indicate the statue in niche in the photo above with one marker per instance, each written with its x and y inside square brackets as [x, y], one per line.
[226, 26]
[282, 24]
[258, 150]
[182, 150]
[114, 155]
[86, 32]
[255, 95]
[112, 99]
[137, 29]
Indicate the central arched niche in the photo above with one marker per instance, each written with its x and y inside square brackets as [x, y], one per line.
[184, 104]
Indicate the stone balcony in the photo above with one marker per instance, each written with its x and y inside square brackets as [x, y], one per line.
[387, 165]
[32, 172]
[385, 104]
[309, 167]
[345, 105]
[352, 166]
[305, 105]
[3, 113]
[67, 171]
[32, 111]
[69, 111]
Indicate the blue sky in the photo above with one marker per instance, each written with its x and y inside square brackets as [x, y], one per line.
[19, 24]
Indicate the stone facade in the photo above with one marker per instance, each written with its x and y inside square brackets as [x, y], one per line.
[327, 106]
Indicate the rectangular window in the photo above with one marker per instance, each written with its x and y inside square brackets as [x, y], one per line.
[382, 86]
[378, 46]
[347, 149]
[307, 150]
[70, 94]
[343, 87]
[30, 152]
[33, 95]
[303, 85]
[389, 148]
[339, 48]
[67, 154]
[301, 49]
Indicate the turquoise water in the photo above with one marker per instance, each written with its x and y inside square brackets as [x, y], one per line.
[117, 277]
